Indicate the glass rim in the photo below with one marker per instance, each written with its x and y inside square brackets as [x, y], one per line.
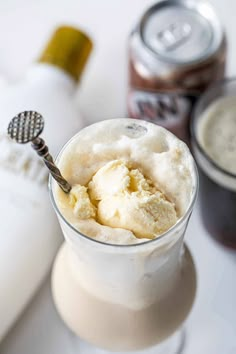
[193, 131]
[180, 221]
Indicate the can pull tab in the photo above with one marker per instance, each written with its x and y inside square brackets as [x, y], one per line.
[174, 35]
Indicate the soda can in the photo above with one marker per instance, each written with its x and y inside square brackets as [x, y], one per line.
[176, 51]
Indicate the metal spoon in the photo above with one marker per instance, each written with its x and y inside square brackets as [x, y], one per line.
[26, 127]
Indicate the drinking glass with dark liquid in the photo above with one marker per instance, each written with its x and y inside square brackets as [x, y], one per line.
[213, 132]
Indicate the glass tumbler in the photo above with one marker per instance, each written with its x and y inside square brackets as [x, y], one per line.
[125, 297]
[217, 186]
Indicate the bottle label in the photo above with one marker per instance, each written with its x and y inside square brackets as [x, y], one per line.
[21, 160]
[168, 110]
[171, 111]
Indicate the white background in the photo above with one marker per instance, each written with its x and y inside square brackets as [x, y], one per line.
[24, 28]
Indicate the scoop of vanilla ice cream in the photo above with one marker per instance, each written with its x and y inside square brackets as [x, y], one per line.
[80, 202]
[147, 216]
[111, 179]
[125, 199]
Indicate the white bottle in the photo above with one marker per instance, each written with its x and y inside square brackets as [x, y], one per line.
[29, 233]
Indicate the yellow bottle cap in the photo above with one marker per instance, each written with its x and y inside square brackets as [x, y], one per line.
[69, 49]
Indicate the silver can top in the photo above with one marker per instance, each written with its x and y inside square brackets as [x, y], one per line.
[181, 31]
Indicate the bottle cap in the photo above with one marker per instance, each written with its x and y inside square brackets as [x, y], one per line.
[69, 49]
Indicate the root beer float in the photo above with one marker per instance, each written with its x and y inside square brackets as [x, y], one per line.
[213, 129]
[124, 280]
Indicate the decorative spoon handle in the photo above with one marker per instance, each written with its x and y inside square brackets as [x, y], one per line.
[26, 127]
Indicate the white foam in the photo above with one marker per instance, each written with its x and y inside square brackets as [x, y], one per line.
[216, 133]
[158, 154]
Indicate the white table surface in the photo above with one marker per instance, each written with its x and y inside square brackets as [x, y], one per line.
[24, 27]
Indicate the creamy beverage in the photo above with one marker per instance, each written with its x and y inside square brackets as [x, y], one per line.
[123, 280]
[214, 145]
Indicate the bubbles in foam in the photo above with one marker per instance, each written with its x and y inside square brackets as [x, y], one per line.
[135, 130]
